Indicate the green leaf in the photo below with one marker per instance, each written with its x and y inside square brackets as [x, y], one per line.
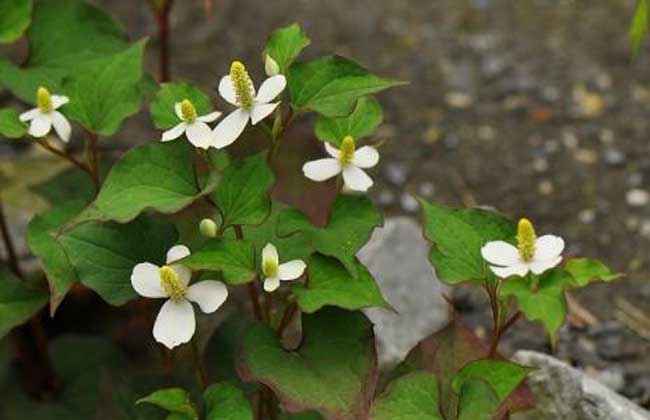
[234, 258]
[41, 233]
[639, 25]
[162, 106]
[351, 223]
[157, 176]
[331, 85]
[104, 254]
[330, 284]
[10, 126]
[103, 92]
[226, 402]
[501, 375]
[362, 122]
[547, 304]
[411, 397]
[243, 194]
[333, 371]
[285, 44]
[477, 401]
[584, 271]
[174, 400]
[458, 236]
[18, 302]
[14, 19]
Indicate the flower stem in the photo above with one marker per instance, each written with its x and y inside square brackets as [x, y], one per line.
[162, 20]
[252, 289]
[9, 245]
[93, 160]
[64, 155]
[289, 313]
[198, 365]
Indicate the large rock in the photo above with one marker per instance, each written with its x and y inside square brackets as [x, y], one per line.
[397, 256]
[565, 393]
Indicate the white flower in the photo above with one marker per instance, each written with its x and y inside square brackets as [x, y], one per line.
[175, 323]
[238, 89]
[45, 115]
[347, 161]
[274, 271]
[194, 127]
[531, 253]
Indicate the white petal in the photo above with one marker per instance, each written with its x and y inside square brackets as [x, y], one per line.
[209, 117]
[40, 125]
[183, 272]
[174, 133]
[513, 270]
[178, 108]
[177, 252]
[175, 323]
[270, 253]
[538, 267]
[291, 270]
[365, 157]
[227, 90]
[332, 151]
[29, 115]
[261, 111]
[548, 247]
[271, 88]
[356, 179]
[61, 125]
[321, 169]
[271, 284]
[59, 100]
[500, 253]
[145, 279]
[230, 128]
[208, 294]
[200, 134]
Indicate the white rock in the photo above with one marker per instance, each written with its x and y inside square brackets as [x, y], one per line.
[637, 197]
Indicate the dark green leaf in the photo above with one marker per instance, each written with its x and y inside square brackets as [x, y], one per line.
[501, 375]
[10, 126]
[285, 44]
[234, 258]
[226, 402]
[584, 271]
[362, 122]
[477, 401]
[174, 400]
[162, 107]
[18, 302]
[14, 19]
[411, 397]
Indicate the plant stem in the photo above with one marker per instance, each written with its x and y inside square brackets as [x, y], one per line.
[63, 154]
[93, 159]
[198, 365]
[252, 289]
[501, 331]
[9, 245]
[289, 313]
[162, 20]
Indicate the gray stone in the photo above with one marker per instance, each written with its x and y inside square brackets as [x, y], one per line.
[565, 393]
[397, 256]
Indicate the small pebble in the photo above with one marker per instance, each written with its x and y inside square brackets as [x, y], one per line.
[587, 216]
[637, 197]
[613, 157]
[570, 140]
[459, 100]
[540, 165]
[586, 156]
[386, 198]
[426, 189]
[545, 187]
[396, 173]
[409, 203]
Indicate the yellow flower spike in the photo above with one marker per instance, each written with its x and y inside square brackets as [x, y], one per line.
[243, 85]
[44, 100]
[270, 269]
[526, 238]
[171, 283]
[188, 111]
[347, 150]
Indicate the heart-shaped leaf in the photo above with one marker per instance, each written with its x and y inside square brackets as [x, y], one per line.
[411, 397]
[18, 302]
[174, 400]
[477, 401]
[10, 126]
[234, 258]
[285, 44]
[14, 19]
[162, 107]
[503, 376]
[362, 122]
[226, 402]
[585, 270]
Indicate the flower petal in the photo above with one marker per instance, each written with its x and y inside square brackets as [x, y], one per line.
[271, 284]
[29, 115]
[230, 128]
[538, 267]
[261, 111]
[227, 90]
[270, 253]
[178, 109]
[513, 270]
[321, 169]
[177, 252]
[209, 117]
[175, 323]
[356, 179]
[200, 135]
[500, 253]
[291, 270]
[548, 247]
[332, 151]
[208, 294]
[365, 157]
[183, 272]
[271, 88]
[40, 125]
[145, 279]
[59, 100]
[174, 133]
[61, 125]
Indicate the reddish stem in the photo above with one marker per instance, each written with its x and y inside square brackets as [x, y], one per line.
[289, 313]
[162, 20]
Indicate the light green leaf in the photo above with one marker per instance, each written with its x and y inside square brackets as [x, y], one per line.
[234, 258]
[103, 92]
[174, 400]
[285, 44]
[501, 375]
[331, 85]
[362, 122]
[243, 194]
[411, 397]
[584, 271]
[477, 401]
[14, 19]
[458, 236]
[330, 284]
[351, 223]
[639, 25]
[18, 302]
[10, 126]
[226, 402]
[162, 106]
[334, 370]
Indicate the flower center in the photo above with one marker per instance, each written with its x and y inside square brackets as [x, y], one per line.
[171, 284]
[243, 85]
[270, 268]
[44, 100]
[188, 112]
[526, 239]
[347, 150]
